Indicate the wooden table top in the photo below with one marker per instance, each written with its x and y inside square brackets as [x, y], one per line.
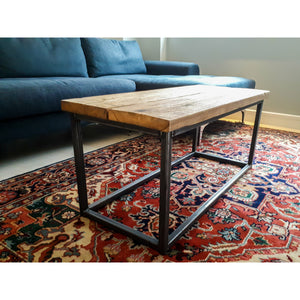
[165, 109]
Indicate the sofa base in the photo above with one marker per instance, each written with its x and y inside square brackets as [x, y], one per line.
[35, 126]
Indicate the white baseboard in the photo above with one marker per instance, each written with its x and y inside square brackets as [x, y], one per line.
[269, 119]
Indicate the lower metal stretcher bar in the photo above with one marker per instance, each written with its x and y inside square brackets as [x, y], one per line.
[91, 211]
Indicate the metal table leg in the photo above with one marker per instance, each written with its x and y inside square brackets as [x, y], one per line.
[79, 163]
[196, 137]
[254, 133]
[165, 178]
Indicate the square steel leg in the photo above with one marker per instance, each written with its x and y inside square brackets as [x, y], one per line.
[164, 202]
[79, 163]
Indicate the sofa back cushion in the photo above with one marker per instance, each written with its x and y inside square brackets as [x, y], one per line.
[111, 57]
[38, 57]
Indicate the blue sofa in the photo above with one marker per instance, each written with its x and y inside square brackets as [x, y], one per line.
[37, 73]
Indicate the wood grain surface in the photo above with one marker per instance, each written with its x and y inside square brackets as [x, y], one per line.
[165, 109]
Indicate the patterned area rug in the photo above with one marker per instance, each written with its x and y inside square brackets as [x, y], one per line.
[258, 220]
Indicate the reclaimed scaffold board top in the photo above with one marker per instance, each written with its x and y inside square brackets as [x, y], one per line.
[165, 109]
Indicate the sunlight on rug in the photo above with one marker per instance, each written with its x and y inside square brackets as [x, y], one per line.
[258, 219]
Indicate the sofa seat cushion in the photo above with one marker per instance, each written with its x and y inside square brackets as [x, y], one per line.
[109, 57]
[36, 57]
[147, 82]
[21, 97]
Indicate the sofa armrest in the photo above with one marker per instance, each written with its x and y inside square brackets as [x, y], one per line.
[156, 67]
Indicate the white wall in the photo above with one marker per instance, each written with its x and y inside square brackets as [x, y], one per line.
[150, 48]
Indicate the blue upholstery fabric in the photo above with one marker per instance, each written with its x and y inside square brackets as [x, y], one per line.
[34, 126]
[22, 97]
[148, 82]
[35, 57]
[37, 73]
[156, 67]
[108, 57]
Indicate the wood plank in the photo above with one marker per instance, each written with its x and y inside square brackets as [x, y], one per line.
[165, 109]
[98, 105]
[164, 115]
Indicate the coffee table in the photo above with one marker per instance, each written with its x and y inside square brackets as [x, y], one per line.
[165, 113]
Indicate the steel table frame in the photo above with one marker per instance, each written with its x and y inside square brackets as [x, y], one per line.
[165, 240]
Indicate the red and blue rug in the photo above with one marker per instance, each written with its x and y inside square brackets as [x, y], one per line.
[258, 219]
